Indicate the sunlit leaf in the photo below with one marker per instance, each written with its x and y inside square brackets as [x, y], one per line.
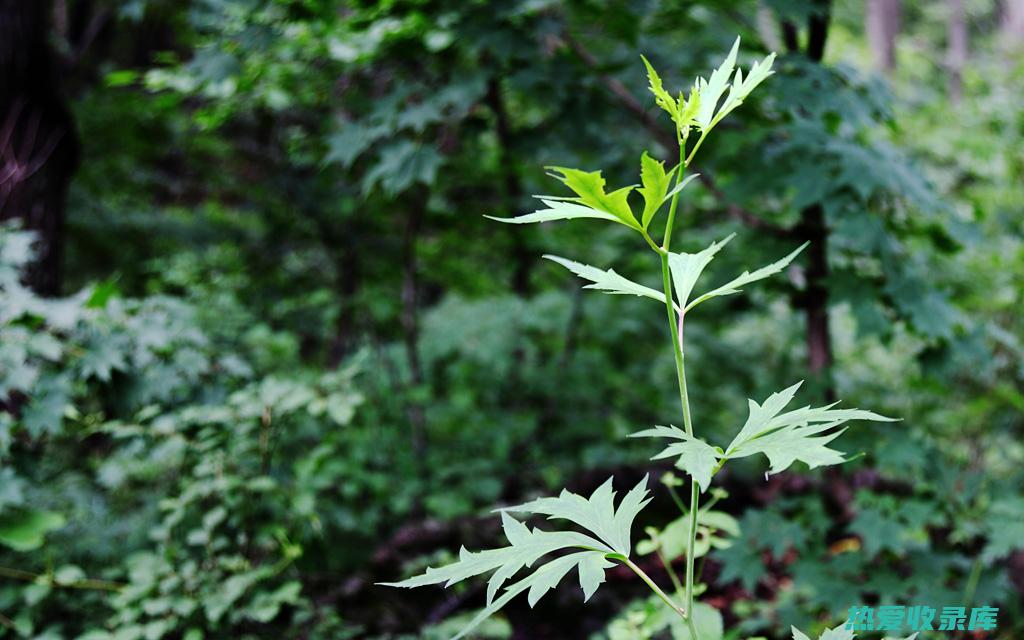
[655, 186]
[589, 186]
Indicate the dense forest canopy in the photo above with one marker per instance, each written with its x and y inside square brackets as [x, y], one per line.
[260, 349]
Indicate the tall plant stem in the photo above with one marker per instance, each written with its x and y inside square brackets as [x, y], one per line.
[676, 331]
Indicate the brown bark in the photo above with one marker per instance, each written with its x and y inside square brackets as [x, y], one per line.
[38, 142]
[882, 22]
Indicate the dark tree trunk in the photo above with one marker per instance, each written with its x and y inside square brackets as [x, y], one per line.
[882, 22]
[523, 259]
[814, 228]
[819, 335]
[38, 142]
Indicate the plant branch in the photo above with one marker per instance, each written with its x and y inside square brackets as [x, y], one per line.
[655, 588]
[28, 576]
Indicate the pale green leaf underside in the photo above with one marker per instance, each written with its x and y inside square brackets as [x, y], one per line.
[610, 529]
[785, 438]
[696, 457]
[801, 434]
[597, 513]
[608, 281]
[687, 267]
[558, 210]
[747, 277]
[679, 187]
[711, 90]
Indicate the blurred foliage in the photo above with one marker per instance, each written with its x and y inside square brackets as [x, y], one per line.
[299, 359]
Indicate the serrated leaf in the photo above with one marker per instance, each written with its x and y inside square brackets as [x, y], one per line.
[742, 87]
[735, 285]
[608, 281]
[655, 185]
[538, 583]
[591, 570]
[801, 434]
[558, 210]
[596, 514]
[687, 267]
[661, 96]
[589, 186]
[711, 90]
[696, 457]
[611, 529]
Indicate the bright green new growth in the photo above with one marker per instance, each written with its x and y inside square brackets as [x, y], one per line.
[784, 438]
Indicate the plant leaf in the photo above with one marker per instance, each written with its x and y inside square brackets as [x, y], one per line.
[591, 570]
[696, 457]
[711, 90]
[608, 281]
[661, 96]
[798, 635]
[558, 210]
[679, 187]
[589, 186]
[655, 186]
[734, 285]
[838, 633]
[538, 583]
[610, 526]
[25, 529]
[801, 434]
[687, 267]
[741, 87]
[596, 514]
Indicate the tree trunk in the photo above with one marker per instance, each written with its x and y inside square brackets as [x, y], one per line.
[813, 228]
[956, 51]
[819, 334]
[411, 331]
[1011, 23]
[38, 142]
[523, 258]
[882, 22]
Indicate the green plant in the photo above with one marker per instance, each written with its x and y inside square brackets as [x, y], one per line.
[783, 436]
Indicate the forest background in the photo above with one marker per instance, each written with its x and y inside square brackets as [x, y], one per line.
[259, 349]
